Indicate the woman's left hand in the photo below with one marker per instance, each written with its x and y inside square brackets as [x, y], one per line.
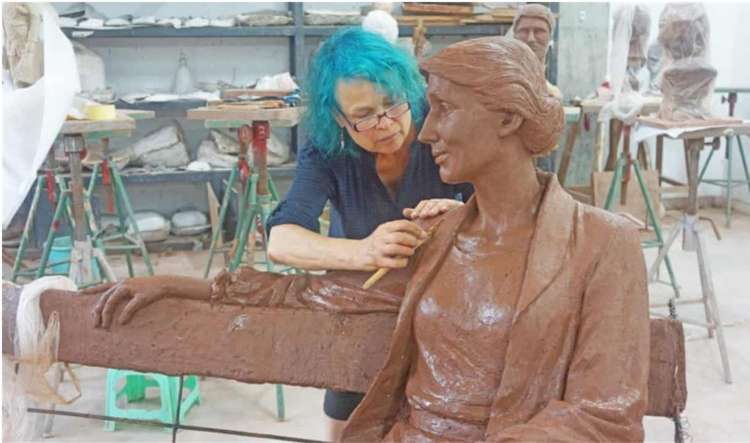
[431, 208]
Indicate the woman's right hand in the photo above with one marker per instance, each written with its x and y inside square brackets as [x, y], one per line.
[391, 245]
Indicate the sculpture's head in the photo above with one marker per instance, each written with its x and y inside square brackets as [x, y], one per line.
[483, 94]
[684, 30]
[534, 25]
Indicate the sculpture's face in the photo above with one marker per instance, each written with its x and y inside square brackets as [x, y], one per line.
[534, 32]
[460, 130]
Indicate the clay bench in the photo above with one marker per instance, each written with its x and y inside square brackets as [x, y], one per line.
[274, 345]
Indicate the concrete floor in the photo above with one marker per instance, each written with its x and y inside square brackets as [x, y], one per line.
[716, 411]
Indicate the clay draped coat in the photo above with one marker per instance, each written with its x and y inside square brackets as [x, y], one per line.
[576, 367]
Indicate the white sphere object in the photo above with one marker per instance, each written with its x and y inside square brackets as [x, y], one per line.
[383, 23]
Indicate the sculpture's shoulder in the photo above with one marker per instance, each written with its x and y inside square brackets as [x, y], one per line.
[604, 229]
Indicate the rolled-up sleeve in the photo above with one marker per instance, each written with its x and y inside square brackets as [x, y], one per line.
[311, 189]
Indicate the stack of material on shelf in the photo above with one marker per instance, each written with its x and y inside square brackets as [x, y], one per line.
[452, 14]
[220, 150]
[324, 18]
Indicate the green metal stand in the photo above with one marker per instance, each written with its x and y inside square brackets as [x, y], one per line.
[256, 199]
[728, 183]
[65, 211]
[117, 200]
[622, 174]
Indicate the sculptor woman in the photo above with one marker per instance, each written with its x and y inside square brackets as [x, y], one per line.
[525, 316]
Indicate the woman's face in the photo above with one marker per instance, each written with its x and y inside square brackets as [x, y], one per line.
[360, 102]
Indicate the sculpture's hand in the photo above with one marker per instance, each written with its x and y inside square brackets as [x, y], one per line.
[138, 292]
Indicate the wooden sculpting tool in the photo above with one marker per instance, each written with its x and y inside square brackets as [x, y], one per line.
[380, 273]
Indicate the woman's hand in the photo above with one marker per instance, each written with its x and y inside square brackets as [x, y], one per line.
[390, 245]
[431, 208]
[141, 292]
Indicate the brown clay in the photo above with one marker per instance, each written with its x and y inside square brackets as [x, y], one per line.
[526, 315]
[533, 17]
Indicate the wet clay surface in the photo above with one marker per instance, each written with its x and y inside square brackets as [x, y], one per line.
[304, 347]
[527, 316]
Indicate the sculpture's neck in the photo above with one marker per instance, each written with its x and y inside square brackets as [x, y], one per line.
[508, 196]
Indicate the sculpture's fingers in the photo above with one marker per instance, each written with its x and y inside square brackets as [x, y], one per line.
[133, 306]
[98, 289]
[119, 294]
[100, 306]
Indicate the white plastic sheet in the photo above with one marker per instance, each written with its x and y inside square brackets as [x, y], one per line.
[33, 116]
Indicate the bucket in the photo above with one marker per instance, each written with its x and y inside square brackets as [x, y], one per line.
[60, 252]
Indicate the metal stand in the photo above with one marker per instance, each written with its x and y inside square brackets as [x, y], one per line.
[257, 196]
[117, 202]
[728, 183]
[692, 240]
[622, 177]
[75, 203]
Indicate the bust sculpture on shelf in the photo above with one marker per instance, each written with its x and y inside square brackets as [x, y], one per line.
[524, 317]
[534, 24]
[687, 77]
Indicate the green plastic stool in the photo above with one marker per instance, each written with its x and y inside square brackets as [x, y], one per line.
[135, 390]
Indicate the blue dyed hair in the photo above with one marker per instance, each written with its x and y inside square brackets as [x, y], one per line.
[354, 53]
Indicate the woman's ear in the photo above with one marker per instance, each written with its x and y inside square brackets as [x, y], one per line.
[339, 119]
[509, 123]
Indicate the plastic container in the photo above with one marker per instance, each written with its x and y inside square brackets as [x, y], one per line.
[60, 252]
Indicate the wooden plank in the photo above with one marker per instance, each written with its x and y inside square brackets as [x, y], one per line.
[723, 122]
[429, 20]
[651, 105]
[121, 123]
[246, 115]
[437, 8]
[234, 93]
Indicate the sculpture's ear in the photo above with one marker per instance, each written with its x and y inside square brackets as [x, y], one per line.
[509, 123]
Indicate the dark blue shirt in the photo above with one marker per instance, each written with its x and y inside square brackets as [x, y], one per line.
[359, 200]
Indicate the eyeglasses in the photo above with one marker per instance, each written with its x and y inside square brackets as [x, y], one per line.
[367, 123]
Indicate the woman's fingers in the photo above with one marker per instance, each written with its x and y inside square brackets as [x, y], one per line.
[406, 226]
[394, 250]
[392, 262]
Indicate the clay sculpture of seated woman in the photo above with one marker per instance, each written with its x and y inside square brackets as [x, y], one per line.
[525, 317]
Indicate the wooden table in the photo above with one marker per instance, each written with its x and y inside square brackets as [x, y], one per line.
[693, 141]
[594, 106]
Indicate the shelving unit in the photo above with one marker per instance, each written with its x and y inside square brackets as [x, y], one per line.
[297, 32]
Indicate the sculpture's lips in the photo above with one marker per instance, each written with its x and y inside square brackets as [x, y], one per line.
[439, 157]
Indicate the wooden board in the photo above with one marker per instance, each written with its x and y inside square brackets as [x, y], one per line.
[429, 20]
[121, 123]
[234, 93]
[595, 105]
[669, 124]
[246, 115]
[437, 8]
[635, 204]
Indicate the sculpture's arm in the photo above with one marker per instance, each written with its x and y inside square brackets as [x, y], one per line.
[606, 387]
[335, 291]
